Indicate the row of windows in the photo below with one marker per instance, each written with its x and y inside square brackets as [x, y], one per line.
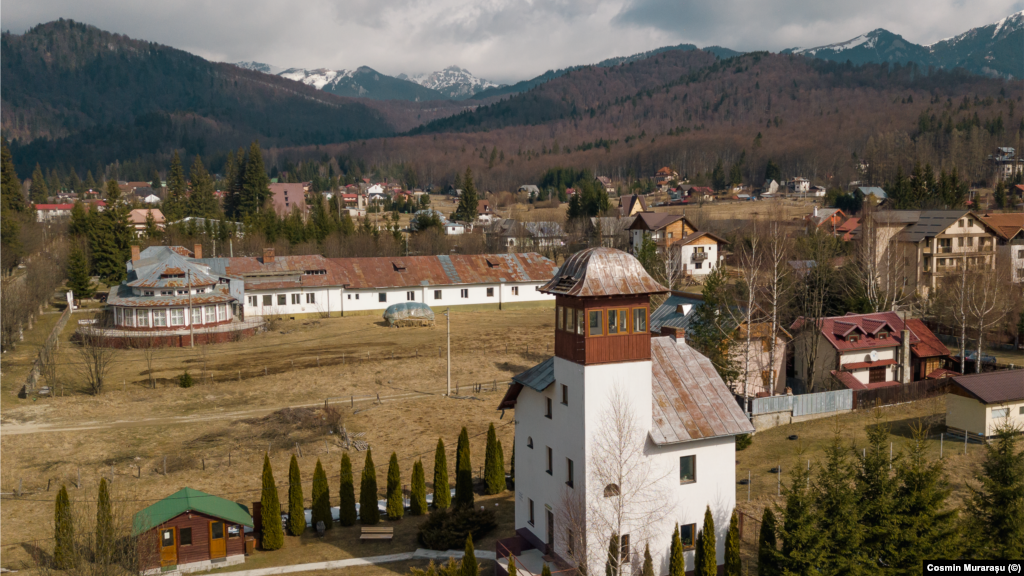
[612, 322]
[173, 292]
[438, 294]
[282, 299]
[162, 317]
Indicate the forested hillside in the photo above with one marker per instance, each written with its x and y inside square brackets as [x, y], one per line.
[75, 94]
[815, 118]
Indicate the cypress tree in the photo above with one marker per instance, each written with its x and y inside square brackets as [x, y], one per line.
[466, 210]
[79, 281]
[767, 547]
[63, 532]
[368, 511]
[545, 571]
[996, 506]
[463, 472]
[346, 493]
[296, 504]
[11, 197]
[321, 497]
[698, 554]
[876, 497]
[512, 565]
[175, 205]
[648, 569]
[494, 476]
[676, 561]
[37, 190]
[501, 465]
[733, 564]
[104, 526]
[839, 514]
[418, 501]
[801, 539]
[707, 553]
[442, 491]
[611, 566]
[469, 563]
[395, 506]
[273, 532]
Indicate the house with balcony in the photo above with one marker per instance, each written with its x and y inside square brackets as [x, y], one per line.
[695, 252]
[1009, 229]
[919, 249]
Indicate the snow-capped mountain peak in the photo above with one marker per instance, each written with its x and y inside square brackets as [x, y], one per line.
[453, 81]
[260, 67]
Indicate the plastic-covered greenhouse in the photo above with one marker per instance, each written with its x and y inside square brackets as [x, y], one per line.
[409, 314]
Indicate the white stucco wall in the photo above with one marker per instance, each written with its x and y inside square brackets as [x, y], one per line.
[327, 300]
[863, 375]
[977, 418]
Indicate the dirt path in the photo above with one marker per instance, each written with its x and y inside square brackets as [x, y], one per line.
[11, 429]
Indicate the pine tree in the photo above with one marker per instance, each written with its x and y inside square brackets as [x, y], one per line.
[706, 554]
[37, 191]
[79, 224]
[996, 506]
[201, 201]
[79, 281]
[368, 511]
[999, 195]
[346, 493]
[75, 182]
[321, 497]
[466, 210]
[676, 561]
[839, 515]
[418, 488]
[273, 532]
[494, 471]
[175, 205]
[648, 569]
[296, 503]
[927, 527]
[255, 184]
[718, 181]
[154, 181]
[801, 540]
[111, 237]
[395, 506]
[63, 532]
[611, 566]
[733, 564]
[876, 498]
[442, 491]
[104, 526]
[767, 547]
[152, 231]
[463, 472]
[90, 182]
[11, 197]
[470, 567]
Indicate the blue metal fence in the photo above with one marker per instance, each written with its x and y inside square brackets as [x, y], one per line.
[804, 404]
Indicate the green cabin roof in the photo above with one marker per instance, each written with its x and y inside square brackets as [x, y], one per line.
[190, 500]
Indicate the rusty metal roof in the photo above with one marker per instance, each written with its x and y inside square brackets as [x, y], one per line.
[602, 272]
[690, 400]
[122, 296]
[163, 268]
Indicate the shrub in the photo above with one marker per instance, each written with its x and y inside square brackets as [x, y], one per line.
[321, 496]
[494, 470]
[296, 504]
[346, 493]
[447, 529]
[442, 490]
[368, 511]
[418, 499]
[743, 441]
[395, 505]
[185, 380]
[463, 472]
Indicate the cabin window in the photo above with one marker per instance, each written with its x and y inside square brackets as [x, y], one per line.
[185, 535]
[611, 490]
[515, 290]
[547, 402]
[565, 395]
[876, 375]
[167, 538]
[490, 292]
[595, 323]
[686, 535]
[159, 318]
[310, 298]
[211, 314]
[233, 531]
[568, 473]
[282, 299]
[579, 322]
[437, 294]
[618, 321]
[382, 297]
[639, 320]
[216, 530]
[687, 469]
[144, 318]
[560, 317]
[177, 316]
[410, 296]
[551, 457]
[268, 300]
[464, 293]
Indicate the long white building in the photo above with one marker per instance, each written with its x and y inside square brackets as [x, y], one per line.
[319, 286]
[620, 432]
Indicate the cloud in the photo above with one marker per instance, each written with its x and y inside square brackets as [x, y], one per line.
[502, 40]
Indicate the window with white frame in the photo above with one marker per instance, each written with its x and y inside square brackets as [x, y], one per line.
[177, 316]
[197, 315]
[143, 318]
[268, 300]
[129, 317]
[296, 298]
[410, 296]
[118, 317]
[282, 299]
[211, 314]
[310, 298]
[159, 317]
[223, 312]
[252, 301]
[382, 297]
[437, 294]
[515, 290]
[464, 292]
[1000, 413]
[490, 292]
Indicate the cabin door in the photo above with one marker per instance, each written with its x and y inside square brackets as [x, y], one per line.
[168, 547]
[218, 544]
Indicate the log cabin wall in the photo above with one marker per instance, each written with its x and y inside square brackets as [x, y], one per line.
[199, 550]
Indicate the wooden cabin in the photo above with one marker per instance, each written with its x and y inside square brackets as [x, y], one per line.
[191, 531]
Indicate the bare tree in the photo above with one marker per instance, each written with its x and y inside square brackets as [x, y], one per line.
[880, 262]
[748, 262]
[988, 304]
[95, 361]
[625, 491]
[953, 301]
[148, 344]
[777, 288]
[815, 287]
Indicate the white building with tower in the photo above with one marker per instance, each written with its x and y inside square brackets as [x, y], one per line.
[619, 432]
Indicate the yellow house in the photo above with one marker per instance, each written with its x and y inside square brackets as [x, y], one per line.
[980, 403]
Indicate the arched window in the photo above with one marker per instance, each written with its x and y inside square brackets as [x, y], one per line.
[529, 441]
[611, 490]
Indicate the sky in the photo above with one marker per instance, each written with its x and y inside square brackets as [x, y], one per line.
[500, 40]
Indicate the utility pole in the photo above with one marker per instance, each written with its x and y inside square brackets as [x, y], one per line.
[191, 323]
[447, 315]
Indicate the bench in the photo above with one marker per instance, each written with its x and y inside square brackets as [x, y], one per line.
[371, 533]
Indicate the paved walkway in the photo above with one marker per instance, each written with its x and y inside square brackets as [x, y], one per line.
[368, 561]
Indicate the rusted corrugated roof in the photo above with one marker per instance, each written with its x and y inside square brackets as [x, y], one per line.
[122, 296]
[690, 400]
[602, 272]
[151, 272]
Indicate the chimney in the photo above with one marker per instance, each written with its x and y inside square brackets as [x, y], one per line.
[198, 251]
[905, 352]
[677, 334]
[815, 211]
[135, 253]
[268, 255]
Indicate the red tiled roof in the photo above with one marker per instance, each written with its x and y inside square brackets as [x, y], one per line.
[851, 382]
[875, 364]
[54, 206]
[929, 345]
[837, 328]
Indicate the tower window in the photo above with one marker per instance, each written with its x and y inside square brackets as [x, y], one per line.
[579, 322]
[595, 323]
[618, 322]
[639, 320]
[560, 317]
[530, 506]
[569, 473]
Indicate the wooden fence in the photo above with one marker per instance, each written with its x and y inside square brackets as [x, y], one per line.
[865, 399]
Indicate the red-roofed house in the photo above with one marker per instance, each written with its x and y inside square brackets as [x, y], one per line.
[51, 212]
[865, 351]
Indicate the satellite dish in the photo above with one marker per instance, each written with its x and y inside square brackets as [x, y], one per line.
[873, 355]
